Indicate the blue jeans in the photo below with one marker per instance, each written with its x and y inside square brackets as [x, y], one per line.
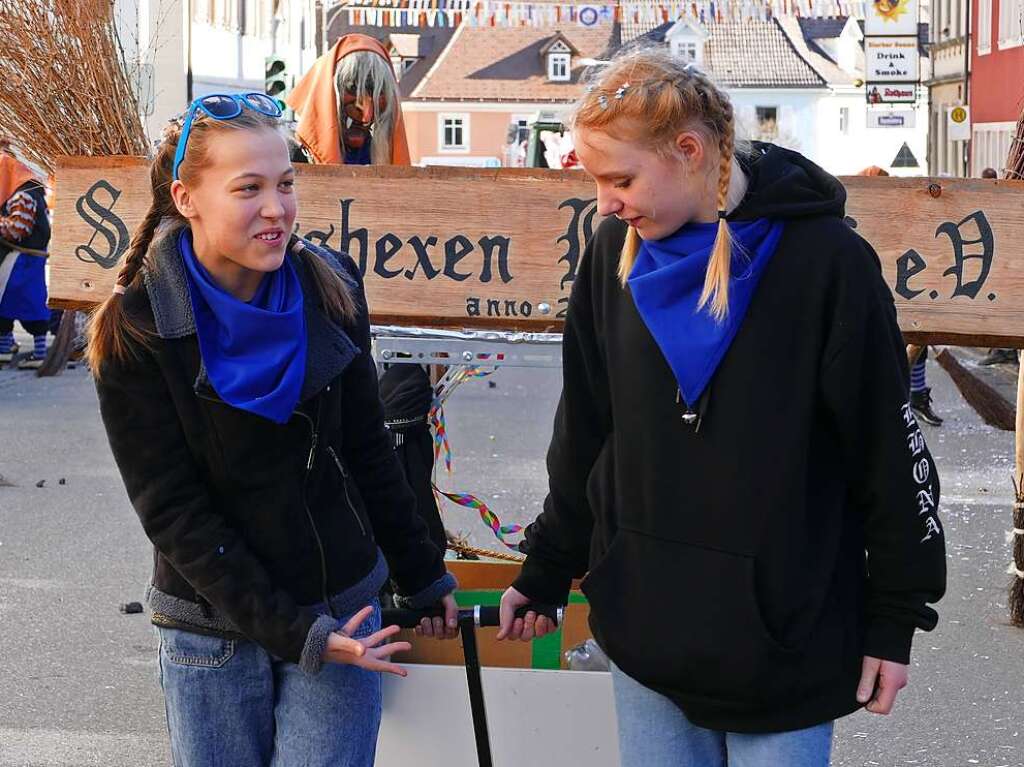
[653, 732]
[229, 702]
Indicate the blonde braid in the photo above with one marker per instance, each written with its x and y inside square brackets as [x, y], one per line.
[716, 281]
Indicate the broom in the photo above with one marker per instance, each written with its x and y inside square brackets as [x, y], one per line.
[68, 91]
[1015, 170]
[986, 401]
[1016, 569]
[68, 86]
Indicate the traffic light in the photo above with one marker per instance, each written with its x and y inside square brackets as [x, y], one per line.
[275, 81]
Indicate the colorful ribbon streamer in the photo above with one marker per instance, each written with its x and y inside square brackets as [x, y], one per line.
[489, 517]
[452, 379]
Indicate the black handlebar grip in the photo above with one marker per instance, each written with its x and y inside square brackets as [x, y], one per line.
[482, 616]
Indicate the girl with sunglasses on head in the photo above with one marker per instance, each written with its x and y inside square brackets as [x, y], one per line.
[735, 466]
[237, 389]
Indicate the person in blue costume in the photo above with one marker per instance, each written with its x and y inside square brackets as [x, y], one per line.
[239, 395]
[24, 237]
[735, 469]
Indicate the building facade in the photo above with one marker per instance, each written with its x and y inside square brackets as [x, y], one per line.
[182, 49]
[948, 46]
[997, 80]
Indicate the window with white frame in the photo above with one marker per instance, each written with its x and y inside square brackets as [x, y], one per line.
[265, 18]
[220, 13]
[202, 10]
[522, 129]
[985, 26]
[767, 123]
[687, 50]
[453, 133]
[558, 67]
[991, 145]
[1011, 23]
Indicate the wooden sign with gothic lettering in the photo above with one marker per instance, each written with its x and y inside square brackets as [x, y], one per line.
[461, 247]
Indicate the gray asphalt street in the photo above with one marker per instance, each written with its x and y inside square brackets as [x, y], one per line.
[78, 678]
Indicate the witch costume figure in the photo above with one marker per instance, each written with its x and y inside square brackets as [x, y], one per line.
[24, 236]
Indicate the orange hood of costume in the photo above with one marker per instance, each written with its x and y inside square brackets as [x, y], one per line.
[314, 100]
[13, 173]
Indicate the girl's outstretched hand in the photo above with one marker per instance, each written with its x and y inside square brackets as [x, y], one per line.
[365, 652]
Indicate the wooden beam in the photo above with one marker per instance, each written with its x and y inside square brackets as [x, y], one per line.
[464, 247]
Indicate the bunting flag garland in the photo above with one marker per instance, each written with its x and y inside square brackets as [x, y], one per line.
[524, 13]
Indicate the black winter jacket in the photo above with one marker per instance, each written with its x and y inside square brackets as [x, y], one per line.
[253, 523]
[745, 567]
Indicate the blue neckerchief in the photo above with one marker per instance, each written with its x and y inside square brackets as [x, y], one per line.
[666, 283]
[254, 352]
[359, 156]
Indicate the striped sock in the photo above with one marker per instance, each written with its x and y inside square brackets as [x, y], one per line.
[917, 381]
[39, 350]
[6, 343]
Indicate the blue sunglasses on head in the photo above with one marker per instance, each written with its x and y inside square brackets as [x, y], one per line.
[222, 106]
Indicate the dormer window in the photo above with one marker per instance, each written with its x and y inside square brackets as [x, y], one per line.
[686, 41]
[558, 67]
[685, 50]
[405, 50]
[557, 53]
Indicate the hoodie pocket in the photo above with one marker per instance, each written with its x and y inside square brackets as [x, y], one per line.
[686, 619]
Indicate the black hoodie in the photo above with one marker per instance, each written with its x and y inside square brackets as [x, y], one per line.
[745, 567]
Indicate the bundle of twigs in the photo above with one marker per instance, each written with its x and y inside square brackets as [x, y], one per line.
[1015, 170]
[1015, 160]
[68, 89]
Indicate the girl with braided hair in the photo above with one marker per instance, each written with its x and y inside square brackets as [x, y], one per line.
[240, 399]
[734, 468]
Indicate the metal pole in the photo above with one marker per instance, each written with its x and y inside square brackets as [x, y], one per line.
[967, 84]
[467, 625]
[188, 54]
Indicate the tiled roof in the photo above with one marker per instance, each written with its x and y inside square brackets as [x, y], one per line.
[749, 54]
[815, 56]
[756, 53]
[505, 64]
[632, 29]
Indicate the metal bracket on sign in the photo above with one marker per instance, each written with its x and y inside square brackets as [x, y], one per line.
[394, 344]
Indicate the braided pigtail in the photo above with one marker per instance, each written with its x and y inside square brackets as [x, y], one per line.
[111, 333]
